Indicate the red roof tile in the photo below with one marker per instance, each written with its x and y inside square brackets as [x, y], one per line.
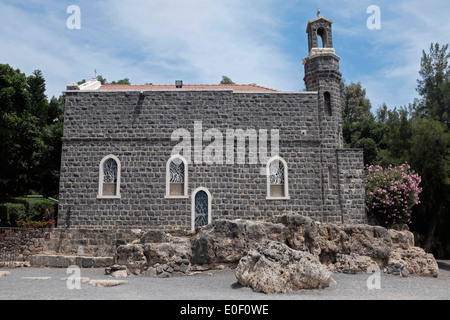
[234, 87]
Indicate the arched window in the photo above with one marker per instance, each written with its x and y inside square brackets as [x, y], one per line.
[322, 33]
[277, 179]
[327, 103]
[109, 177]
[176, 177]
[201, 208]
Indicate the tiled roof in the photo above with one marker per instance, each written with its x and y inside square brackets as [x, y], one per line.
[234, 87]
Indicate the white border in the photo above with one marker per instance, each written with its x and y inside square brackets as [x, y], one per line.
[100, 178]
[185, 193]
[286, 181]
[193, 206]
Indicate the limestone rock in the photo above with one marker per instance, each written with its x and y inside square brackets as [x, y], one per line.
[273, 267]
[415, 260]
[327, 240]
[117, 271]
[169, 258]
[352, 263]
[133, 257]
[226, 241]
[401, 238]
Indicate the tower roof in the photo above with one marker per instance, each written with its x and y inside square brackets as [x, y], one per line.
[318, 19]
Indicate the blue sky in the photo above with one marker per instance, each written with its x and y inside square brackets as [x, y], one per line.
[198, 41]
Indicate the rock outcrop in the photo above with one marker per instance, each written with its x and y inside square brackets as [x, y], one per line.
[273, 267]
[339, 248]
[226, 241]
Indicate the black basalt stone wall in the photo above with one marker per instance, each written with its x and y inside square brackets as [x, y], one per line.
[137, 129]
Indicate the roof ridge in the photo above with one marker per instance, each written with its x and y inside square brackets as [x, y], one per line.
[234, 85]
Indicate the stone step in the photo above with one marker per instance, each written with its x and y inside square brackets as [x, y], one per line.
[65, 261]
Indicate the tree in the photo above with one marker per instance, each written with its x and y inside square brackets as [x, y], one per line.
[18, 131]
[226, 80]
[125, 81]
[355, 106]
[39, 102]
[434, 86]
[429, 149]
[395, 143]
[360, 130]
[30, 134]
[430, 156]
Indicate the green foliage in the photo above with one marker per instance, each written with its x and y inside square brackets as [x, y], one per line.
[434, 86]
[125, 81]
[10, 212]
[226, 80]
[30, 134]
[355, 106]
[417, 134]
[16, 209]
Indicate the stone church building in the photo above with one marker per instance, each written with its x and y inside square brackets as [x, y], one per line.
[121, 169]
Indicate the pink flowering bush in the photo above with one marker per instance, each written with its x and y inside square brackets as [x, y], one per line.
[391, 193]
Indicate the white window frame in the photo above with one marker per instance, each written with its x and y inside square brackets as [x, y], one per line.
[193, 206]
[286, 180]
[185, 191]
[100, 178]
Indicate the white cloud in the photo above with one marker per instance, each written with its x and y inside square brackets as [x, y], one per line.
[203, 40]
[198, 41]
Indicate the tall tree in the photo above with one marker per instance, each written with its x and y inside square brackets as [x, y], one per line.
[360, 130]
[433, 85]
[19, 132]
[355, 106]
[430, 156]
[39, 102]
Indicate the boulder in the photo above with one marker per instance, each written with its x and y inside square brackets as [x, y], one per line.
[327, 240]
[415, 260]
[117, 271]
[273, 267]
[401, 238]
[169, 258]
[226, 241]
[133, 257]
[154, 236]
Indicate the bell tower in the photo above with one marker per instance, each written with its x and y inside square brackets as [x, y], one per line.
[322, 75]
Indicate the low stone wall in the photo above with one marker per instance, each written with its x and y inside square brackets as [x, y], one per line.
[18, 245]
[62, 247]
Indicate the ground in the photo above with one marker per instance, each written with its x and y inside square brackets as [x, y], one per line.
[51, 284]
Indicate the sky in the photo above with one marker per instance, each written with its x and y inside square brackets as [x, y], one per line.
[199, 41]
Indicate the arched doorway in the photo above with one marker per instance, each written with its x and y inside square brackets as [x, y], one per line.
[201, 208]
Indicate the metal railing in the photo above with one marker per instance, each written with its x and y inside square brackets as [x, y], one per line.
[9, 246]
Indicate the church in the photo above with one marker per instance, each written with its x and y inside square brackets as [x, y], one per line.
[179, 156]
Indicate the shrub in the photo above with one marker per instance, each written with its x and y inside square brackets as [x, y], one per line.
[391, 193]
[32, 209]
[10, 212]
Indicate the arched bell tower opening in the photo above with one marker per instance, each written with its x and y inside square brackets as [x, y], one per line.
[322, 33]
